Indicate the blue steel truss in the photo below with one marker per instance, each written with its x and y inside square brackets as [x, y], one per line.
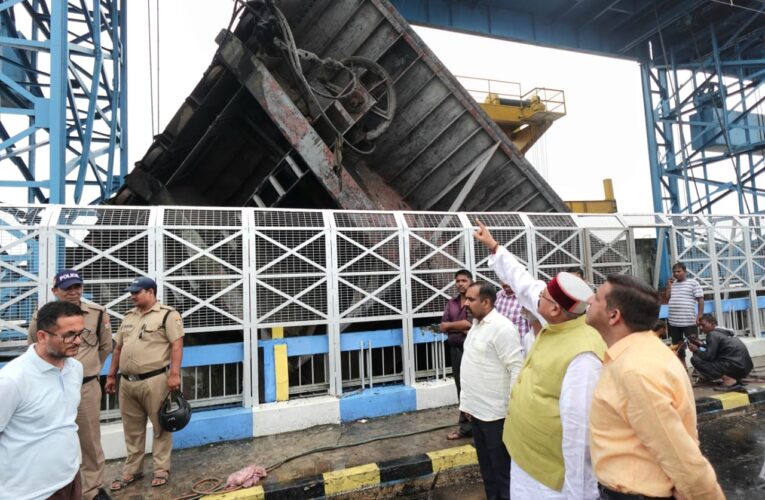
[63, 101]
[706, 125]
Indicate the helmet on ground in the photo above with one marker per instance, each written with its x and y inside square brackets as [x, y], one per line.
[175, 412]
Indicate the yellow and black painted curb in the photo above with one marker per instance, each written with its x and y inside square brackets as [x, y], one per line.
[418, 466]
[730, 400]
[359, 478]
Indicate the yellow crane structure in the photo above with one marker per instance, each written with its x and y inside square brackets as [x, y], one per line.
[524, 117]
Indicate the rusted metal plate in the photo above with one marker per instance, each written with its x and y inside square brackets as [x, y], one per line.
[249, 112]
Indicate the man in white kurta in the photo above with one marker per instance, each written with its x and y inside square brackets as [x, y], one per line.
[491, 362]
[559, 307]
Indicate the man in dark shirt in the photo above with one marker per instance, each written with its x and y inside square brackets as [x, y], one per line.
[723, 356]
[456, 322]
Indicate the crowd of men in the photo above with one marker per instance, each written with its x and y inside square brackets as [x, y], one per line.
[567, 394]
[572, 395]
[50, 438]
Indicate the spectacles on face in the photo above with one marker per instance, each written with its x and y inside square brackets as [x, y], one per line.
[69, 337]
[543, 296]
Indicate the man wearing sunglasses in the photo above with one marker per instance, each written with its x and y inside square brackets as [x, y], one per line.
[546, 430]
[39, 396]
[94, 347]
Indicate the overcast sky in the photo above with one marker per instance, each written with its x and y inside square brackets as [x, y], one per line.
[603, 134]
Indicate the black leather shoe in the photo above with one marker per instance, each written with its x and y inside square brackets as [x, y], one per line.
[102, 495]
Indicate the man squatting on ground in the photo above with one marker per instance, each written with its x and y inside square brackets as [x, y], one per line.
[491, 362]
[40, 393]
[723, 356]
[456, 322]
[643, 418]
[547, 426]
[148, 354]
[95, 346]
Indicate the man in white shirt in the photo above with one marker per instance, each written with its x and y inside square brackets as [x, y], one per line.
[491, 361]
[40, 393]
[547, 427]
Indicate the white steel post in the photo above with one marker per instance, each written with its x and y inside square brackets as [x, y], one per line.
[250, 381]
[333, 307]
[407, 323]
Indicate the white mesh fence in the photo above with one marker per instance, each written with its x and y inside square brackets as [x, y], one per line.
[234, 274]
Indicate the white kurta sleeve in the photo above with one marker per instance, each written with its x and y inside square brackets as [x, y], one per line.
[575, 400]
[512, 272]
[507, 344]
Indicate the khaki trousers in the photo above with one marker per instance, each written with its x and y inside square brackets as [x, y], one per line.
[139, 400]
[89, 432]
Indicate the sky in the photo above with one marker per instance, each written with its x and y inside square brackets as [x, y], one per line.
[602, 135]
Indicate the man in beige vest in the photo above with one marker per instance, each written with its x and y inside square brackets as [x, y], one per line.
[148, 353]
[95, 346]
[547, 426]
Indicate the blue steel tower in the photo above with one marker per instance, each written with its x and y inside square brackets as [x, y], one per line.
[63, 100]
[704, 112]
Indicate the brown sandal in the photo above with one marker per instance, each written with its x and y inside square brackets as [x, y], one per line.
[122, 482]
[160, 478]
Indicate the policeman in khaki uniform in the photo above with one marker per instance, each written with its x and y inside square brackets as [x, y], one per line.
[148, 353]
[94, 348]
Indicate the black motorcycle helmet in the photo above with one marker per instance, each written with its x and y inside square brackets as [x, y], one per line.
[175, 412]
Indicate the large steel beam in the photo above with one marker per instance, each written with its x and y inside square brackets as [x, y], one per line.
[68, 144]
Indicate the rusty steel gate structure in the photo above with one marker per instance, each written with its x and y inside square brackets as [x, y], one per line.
[332, 104]
[354, 292]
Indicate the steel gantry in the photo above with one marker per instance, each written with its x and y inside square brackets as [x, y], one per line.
[62, 99]
[705, 124]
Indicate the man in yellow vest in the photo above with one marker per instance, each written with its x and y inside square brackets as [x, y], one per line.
[547, 426]
[643, 420]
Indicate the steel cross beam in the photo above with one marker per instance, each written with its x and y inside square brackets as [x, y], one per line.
[63, 101]
[706, 130]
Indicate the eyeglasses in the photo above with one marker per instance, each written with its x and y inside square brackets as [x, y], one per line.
[542, 296]
[69, 337]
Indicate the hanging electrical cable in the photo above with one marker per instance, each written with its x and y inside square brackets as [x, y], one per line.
[159, 81]
[151, 69]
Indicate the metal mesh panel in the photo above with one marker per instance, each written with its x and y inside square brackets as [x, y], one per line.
[557, 250]
[548, 220]
[283, 218]
[642, 220]
[192, 217]
[291, 268]
[364, 219]
[20, 250]
[429, 220]
[369, 274]
[492, 220]
[285, 301]
[109, 247]
[516, 242]
[692, 248]
[609, 253]
[757, 246]
[730, 252]
[204, 269]
[434, 257]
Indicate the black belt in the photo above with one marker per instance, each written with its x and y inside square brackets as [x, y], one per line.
[85, 380]
[144, 376]
[607, 493]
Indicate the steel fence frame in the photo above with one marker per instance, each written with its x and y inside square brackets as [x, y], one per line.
[249, 270]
